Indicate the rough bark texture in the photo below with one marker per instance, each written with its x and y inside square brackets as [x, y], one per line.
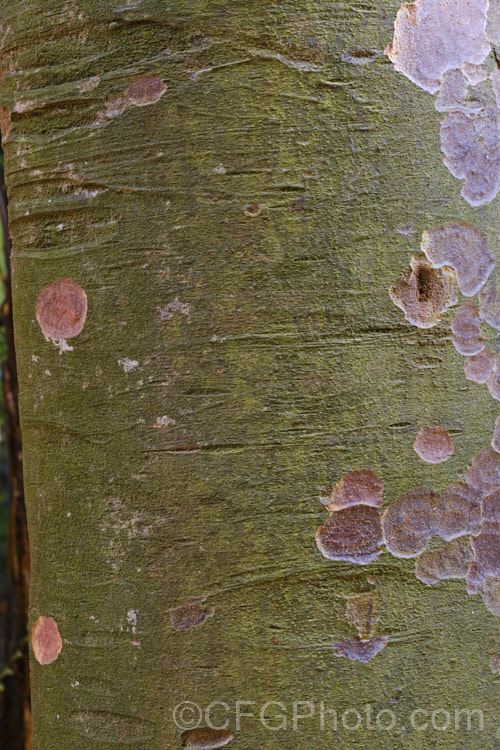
[236, 235]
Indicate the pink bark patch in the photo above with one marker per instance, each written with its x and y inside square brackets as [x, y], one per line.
[46, 640]
[61, 309]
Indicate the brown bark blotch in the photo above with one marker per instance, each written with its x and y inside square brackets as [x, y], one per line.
[62, 309]
[424, 293]
[144, 90]
[415, 517]
[352, 534]
[190, 614]
[359, 487]
[205, 738]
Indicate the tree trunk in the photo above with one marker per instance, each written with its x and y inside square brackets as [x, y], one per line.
[233, 186]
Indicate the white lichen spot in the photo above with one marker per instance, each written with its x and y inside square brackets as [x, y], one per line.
[168, 312]
[220, 169]
[164, 421]
[132, 619]
[89, 84]
[128, 364]
[24, 106]
[60, 344]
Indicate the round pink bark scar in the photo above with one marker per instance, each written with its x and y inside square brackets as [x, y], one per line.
[46, 640]
[61, 309]
[434, 445]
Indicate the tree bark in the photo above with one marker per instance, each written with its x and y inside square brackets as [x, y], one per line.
[234, 186]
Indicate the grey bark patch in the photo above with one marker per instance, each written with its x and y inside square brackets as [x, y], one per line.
[471, 148]
[419, 514]
[432, 36]
[491, 597]
[451, 561]
[358, 650]
[452, 93]
[465, 248]
[484, 473]
[495, 664]
[493, 381]
[479, 368]
[359, 56]
[489, 303]
[362, 612]
[466, 328]
[495, 440]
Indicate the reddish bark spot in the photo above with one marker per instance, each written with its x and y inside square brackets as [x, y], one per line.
[190, 614]
[433, 445]
[351, 534]
[146, 89]
[361, 487]
[418, 515]
[62, 309]
[46, 640]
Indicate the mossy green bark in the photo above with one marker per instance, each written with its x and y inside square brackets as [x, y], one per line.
[270, 343]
